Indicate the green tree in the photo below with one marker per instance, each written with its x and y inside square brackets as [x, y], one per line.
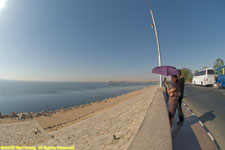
[219, 62]
[187, 74]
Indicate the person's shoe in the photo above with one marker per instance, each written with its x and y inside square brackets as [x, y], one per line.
[180, 122]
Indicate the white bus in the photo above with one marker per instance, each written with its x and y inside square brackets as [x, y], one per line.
[204, 77]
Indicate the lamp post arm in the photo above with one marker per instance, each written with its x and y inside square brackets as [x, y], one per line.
[158, 46]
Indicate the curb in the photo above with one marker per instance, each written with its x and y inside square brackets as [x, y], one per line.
[203, 125]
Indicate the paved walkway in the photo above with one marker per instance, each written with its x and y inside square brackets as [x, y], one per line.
[154, 132]
[191, 135]
[111, 129]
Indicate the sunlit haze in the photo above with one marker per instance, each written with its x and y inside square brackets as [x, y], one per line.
[2, 4]
[97, 40]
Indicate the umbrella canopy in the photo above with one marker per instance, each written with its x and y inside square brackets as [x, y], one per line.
[166, 70]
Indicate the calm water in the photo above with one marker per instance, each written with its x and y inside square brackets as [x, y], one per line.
[23, 96]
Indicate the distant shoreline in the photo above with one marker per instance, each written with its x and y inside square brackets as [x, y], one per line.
[35, 97]
[50, 120]
[107, 81]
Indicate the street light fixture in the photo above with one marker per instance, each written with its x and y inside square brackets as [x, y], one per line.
[157, 39]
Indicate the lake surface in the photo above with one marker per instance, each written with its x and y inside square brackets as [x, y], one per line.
[26, 96]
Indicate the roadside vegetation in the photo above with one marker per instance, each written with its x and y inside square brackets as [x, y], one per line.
[188, 75]
[218, 63]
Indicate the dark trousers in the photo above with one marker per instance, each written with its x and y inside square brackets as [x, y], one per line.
[179, 107]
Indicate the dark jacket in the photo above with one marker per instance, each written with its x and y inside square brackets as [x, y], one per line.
[181, 86]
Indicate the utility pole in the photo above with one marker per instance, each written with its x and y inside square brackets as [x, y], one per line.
[157, 39]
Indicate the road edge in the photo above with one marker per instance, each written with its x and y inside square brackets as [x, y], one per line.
[203, 125]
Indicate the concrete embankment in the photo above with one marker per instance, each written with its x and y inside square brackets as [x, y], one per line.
[142, 116]
[154, 132]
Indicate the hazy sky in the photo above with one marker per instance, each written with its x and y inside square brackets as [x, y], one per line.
[98, 40]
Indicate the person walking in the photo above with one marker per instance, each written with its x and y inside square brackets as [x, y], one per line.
[180, 98]
[173, 97]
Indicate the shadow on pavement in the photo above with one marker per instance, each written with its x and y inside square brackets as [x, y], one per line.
[191, 135]
[183, 135]
[208, 116]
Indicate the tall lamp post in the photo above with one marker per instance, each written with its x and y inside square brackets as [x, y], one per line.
[157, 39]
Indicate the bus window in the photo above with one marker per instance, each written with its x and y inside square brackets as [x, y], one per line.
[220, 72]
[202, 73]
[210, 72]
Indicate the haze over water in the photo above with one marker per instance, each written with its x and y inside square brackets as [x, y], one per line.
[27, 96]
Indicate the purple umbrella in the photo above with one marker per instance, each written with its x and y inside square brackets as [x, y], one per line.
[165, 70]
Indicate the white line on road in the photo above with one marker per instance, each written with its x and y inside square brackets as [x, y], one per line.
[188, 108]
[211, 136]
[193, 114]
[201, 123]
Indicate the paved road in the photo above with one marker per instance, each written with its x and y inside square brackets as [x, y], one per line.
[209, 105]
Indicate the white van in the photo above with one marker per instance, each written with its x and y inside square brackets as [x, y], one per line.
[204, 77]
